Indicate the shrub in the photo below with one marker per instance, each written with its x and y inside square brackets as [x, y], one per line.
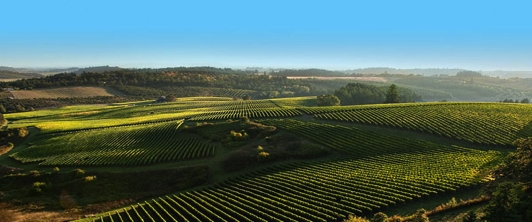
[263, 156]
[90, 178]
[78, 173]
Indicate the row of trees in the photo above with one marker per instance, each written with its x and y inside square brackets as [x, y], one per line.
[358, 93]
[525, 100]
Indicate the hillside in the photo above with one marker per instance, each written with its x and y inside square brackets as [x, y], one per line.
[64, 92]
[288, 160]
[6, 75]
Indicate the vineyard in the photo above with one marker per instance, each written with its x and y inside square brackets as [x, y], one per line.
[364, 171]
[323, 191]
[481, 123]
[140, 144]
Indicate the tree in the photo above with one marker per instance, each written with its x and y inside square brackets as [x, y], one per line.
[392, 96]
[246, 97]
[525, 100]
[511, 200]
[353, 218]
[518, 165]
[470, 217]
[170, 98]
[379, 217]
[328, 100]
[420, 216]
[504, 203]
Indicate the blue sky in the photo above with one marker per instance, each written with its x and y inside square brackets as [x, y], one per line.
[477, 35]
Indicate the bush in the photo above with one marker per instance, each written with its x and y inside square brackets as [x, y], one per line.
[90, 178]
[40, 187]
[263, 156]
[77, 173]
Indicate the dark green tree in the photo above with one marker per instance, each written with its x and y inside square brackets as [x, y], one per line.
[470, 217]
[392, 95]
[328, 100]
[525, 100]
[170, 98]
[379, 217]
[503, 206]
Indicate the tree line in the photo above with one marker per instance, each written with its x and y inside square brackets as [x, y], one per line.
[360, 93]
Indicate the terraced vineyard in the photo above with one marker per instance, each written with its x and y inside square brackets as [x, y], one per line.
[320, 191]
[482, 123]
[139, 144]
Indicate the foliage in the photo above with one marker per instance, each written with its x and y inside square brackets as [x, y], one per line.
[40, 187]
[379, 217]
[353, 218]
[22, 132]
[420, 216]
[467, 73]
[238, 136]
[262, 156]
[518, 165]
[328, 100]
[78, 172]
[504, 203]
[359, 93]
[470, 217]
[170, 98]
[392, 96]
[511, 199]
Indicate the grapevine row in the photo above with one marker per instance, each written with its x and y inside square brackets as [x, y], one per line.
[320, 191]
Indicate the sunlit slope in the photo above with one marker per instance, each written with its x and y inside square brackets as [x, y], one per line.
[482, 123]
[140, 144]
[196, 108]
[322, 191]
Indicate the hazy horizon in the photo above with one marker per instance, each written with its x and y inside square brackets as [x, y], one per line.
[335, 35]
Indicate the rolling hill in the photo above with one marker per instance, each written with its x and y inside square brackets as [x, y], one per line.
[261, 160]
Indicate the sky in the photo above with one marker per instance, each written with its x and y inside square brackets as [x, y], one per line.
[337, 35]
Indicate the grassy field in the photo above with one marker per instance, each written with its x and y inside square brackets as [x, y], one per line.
[287, 161]
[65, 92]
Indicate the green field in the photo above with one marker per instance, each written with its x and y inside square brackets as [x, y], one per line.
[413, 152]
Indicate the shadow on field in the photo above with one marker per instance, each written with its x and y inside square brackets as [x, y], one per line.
[526, 131]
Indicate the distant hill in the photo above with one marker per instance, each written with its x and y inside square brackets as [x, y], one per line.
[307, 72]
[41, 71]
[98, 69]
[387, 70]
[12, 75]
[508, 74]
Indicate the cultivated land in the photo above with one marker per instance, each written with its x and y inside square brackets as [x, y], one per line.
[65, 92]
[198, 159]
